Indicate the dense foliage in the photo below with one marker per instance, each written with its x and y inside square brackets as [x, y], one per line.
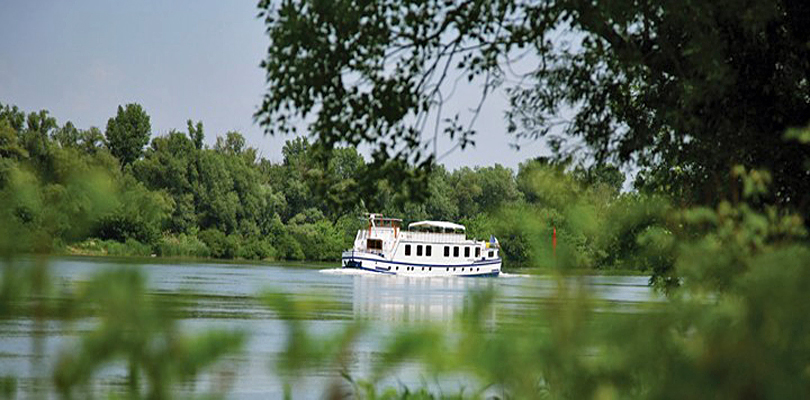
[660, 85]
[178, 197]
[128, 132]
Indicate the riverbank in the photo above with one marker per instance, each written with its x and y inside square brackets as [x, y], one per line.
[183, 260]
[79, 253]
[579, 271]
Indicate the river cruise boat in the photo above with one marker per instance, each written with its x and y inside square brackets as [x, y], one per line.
[427, 248]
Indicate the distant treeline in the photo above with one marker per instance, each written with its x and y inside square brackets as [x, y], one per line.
[176, 196]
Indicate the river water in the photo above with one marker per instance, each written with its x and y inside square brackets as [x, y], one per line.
[224, 296]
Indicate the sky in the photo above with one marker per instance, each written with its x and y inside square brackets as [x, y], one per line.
[180, 60]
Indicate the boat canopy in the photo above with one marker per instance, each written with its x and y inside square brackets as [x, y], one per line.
[443, 225]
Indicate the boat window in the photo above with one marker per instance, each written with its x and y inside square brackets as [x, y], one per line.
[466, 252]
[430, 268]
[455, 251]
[374, 244]
[397, 268]
[419, 250]
[447, 251]
[428, 250]
[490, 254]
[462, 269]
[423, 268]
[477, 252]
[408, 250]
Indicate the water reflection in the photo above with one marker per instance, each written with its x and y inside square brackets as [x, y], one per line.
[412, 299]
[417, 299]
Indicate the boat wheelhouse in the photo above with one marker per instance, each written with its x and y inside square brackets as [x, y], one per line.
[426, 248]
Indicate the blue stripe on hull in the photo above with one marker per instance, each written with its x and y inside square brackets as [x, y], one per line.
[474, 264]
[372, 270]
[484, 275]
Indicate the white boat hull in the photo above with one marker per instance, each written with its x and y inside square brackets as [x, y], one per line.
[375, 263]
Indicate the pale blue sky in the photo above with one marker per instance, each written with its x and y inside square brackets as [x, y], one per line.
[179, 59]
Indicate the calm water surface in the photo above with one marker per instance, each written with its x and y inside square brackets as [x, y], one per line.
[223, 296]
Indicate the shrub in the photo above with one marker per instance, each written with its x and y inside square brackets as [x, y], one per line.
[94, 246]
[288, 248]
[182, 245]
[131, 247]
[220, 244]
[256, 249]
[319, 241]
[120, 227]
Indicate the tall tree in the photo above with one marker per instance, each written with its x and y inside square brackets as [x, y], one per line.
[67, 135]
[195, 132]
[91, 140]
[13, 115]
[658, 83]
[9, 142]
[128, 132]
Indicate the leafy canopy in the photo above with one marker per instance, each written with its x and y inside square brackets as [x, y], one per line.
[128, 132]
[693, 88]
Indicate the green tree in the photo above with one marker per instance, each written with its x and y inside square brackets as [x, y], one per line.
[232, 143]
[296, 167]
[91, 140]
[140, 214]
[606, 176]
[218, 188]
[658, 84]
[484, 189]
[314, 177]
[67, 135]
[320, 240]
[35, 137]
[195, 132]
[220, 244]
[13, 115]
[442, 201]
[170, 164]
[9, 142]
[128, 132]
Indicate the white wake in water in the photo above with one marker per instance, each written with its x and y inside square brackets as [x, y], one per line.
[506, 275]
[348, 271]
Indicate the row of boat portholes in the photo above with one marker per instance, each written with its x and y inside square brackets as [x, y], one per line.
[446, 268]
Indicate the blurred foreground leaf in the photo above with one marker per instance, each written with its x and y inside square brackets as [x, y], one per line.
[138, 329]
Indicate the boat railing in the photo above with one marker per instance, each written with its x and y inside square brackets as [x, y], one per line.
[413, 236]
[434, 237]
[376, 233]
